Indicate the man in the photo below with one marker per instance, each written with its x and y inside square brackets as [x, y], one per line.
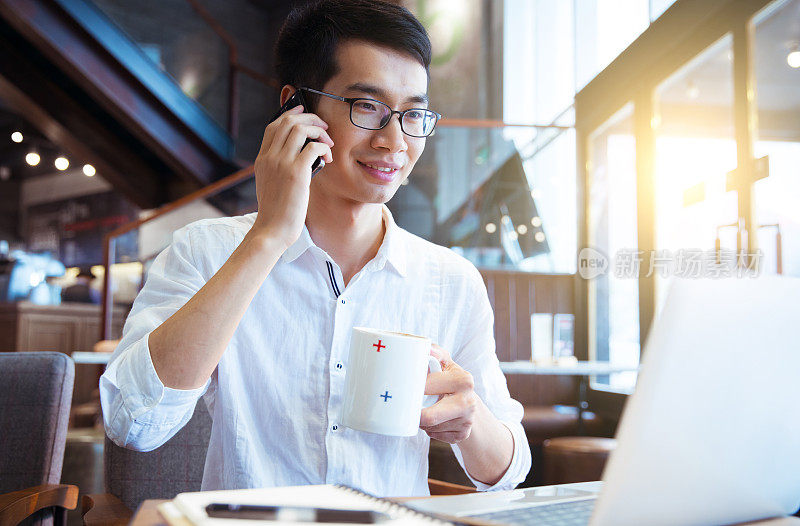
[254, 313]
[81, 291]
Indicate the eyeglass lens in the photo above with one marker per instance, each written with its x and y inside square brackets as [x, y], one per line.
[375, 115]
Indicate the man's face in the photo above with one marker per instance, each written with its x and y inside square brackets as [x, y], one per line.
[369, 71]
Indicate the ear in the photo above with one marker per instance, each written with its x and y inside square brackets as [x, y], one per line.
[286, 92]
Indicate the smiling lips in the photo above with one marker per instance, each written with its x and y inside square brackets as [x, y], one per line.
[380, 170]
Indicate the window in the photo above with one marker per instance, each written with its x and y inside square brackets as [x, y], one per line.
[611, 218]
[777, 71]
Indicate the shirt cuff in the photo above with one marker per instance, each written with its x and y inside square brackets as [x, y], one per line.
[517, 469]
[146, 399]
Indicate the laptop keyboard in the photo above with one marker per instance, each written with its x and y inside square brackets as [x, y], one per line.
[562, 514]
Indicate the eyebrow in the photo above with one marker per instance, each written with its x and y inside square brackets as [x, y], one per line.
[380, 93]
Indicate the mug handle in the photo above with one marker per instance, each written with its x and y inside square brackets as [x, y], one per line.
[434, 366]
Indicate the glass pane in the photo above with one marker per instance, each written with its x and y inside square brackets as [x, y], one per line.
[501, 197]
[603, 29]
[538, 34]
[777, 70]
[614, 292]
[190, 51]
[695, 149]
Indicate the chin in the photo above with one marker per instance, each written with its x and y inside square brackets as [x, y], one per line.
[375, 198]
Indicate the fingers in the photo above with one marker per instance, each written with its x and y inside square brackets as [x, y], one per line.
[453, 379]
[314, 150]
[453, 407]
[452, 430]
[440, 353]
[273, 127]
[291, 138]
[300, 134]
[277, 132]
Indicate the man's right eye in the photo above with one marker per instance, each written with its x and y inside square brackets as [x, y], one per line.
[364, 106]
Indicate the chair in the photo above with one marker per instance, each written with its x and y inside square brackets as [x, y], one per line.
[35, 399]
[132, 477]
[576, 459]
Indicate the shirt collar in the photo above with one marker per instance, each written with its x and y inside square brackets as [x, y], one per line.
[392, 249]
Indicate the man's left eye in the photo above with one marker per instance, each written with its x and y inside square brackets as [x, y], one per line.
[415, 114]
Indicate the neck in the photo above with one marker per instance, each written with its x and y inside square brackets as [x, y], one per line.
[349, 231]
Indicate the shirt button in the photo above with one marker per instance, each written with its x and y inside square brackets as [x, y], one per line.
[334, 427]
[148, 402]
[339, 365]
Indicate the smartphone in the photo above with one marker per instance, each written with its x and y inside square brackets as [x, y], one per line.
[294, 514]
[297, 100]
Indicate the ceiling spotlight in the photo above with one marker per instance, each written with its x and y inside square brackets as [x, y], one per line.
[16, 136]
[536, 193]
[88, 170]
[491, 228]
[536, 221]
[32, 158]
[62, 163]
[513, 236]
[522, 229]
[793, 59]
[539, 236]
[505, 220]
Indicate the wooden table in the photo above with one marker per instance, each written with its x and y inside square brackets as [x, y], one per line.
[582, 369]
[148, 515]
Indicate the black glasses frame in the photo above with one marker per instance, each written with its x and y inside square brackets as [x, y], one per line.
[351, 100]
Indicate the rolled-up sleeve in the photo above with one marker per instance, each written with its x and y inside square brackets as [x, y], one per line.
[477, 355]
[139, 412]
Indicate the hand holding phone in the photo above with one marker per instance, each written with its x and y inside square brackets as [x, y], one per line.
[292, 102]
[293, 143]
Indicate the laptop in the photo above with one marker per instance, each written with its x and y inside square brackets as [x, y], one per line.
[711, 434]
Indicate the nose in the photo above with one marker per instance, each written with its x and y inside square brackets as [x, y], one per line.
[391, 136]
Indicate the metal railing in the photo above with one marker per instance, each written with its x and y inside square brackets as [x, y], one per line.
[234, 67]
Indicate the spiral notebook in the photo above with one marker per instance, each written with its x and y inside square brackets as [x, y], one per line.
[189, 508]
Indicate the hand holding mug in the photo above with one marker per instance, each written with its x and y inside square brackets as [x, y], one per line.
[452, 417]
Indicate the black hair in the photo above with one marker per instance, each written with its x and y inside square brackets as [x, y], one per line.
[305, 53]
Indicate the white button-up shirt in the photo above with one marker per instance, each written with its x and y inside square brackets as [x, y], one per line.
[276, 396]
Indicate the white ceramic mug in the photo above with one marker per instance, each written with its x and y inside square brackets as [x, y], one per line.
[385, 382]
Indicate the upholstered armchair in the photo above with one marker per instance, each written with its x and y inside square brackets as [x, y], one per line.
[35, 399]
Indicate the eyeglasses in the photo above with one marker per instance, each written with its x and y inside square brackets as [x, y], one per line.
[371, 114]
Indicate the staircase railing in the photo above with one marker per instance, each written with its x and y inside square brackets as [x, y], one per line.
[234, 67]
[109, 239]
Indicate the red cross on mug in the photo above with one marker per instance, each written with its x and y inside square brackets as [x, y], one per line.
[379, 346]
